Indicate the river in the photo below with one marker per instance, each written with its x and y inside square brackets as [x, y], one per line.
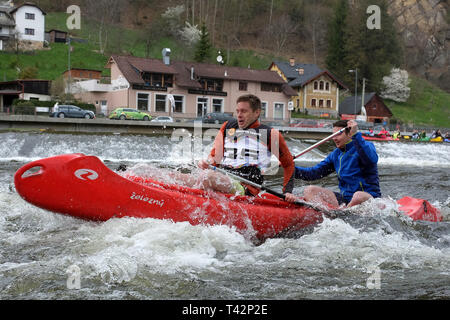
[380, 255]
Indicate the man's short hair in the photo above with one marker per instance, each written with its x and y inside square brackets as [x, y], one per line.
[340, 124]
[254, 101]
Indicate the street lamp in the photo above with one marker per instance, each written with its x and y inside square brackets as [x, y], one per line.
[356, 85]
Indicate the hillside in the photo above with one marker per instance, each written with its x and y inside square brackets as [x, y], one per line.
[426, 105]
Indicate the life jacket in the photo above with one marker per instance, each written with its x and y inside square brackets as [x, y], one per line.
[246, 152]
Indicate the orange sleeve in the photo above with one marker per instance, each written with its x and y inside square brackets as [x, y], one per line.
[286, 160]
[216, 154]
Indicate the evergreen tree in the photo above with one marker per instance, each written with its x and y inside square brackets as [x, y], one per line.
[203, 47]
[336, 39]
[373, 51]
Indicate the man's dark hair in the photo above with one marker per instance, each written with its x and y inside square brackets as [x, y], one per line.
[254, 101]
[340, 124]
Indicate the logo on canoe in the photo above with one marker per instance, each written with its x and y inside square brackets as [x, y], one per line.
[149, 200]
[84, 174]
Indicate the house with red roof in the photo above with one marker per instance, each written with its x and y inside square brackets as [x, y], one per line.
[196, 88]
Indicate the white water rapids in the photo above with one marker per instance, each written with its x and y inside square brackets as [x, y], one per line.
[379, 255]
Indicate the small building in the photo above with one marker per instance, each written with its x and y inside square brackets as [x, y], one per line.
[7, 26]
[317, 90]
[58, 36]
[28, 31]
[25, 90]
[80, 74]
[372, 110]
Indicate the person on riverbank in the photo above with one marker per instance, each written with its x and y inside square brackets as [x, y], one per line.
[355, 162]
[55, 108]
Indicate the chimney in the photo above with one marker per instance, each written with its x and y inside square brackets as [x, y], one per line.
[166, 56]
[192, 73]
[292, 62]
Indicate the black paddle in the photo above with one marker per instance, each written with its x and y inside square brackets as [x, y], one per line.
[329, 213]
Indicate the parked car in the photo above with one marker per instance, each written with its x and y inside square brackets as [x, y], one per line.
[163, 119]
[216, 117]
[69, 111]
[130, 114]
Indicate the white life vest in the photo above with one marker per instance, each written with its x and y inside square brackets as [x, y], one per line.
[247, 148]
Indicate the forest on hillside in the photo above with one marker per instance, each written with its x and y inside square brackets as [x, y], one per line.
[330, 33]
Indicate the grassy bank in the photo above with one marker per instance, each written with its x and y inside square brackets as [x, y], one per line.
[426, 106]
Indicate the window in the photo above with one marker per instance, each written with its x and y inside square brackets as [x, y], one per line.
[157, 79]
[273, 87]
[263, 110]
[321, 85]
[328, 103]
[313, 103]
[160, 103]
[327, 86]
[179, 101]
[212, 84]
[29, 16]
[320, 103]
[142, 101]
[315, 85]
[242, 86]
[278, 111]
[217, 105]
[29, 31]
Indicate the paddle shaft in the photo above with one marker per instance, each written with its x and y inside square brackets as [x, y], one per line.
[320, 143]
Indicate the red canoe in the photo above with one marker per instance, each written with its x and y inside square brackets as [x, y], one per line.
[378, 137]
[82, 186]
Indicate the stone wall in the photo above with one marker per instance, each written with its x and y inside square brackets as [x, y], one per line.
[425, 31]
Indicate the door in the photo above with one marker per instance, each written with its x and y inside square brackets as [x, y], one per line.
[202, 106]
[104, 107]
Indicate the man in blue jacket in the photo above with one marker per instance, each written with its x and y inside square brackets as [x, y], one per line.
[355, 162]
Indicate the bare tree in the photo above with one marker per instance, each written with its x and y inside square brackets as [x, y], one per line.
[316, 17]
[106, 13]
[280, 31]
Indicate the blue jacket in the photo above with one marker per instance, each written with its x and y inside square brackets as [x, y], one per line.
[355, 165]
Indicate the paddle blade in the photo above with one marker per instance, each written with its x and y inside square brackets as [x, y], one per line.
[419, 209]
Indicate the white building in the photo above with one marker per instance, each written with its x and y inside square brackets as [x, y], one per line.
[29, 26]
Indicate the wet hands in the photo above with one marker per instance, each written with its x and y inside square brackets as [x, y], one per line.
[352, 127]
[289, 197]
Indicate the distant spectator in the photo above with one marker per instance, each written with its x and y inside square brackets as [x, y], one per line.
[55, 108]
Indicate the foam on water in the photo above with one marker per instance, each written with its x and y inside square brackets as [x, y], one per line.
[28, 147]
[159, 259]
[37, 244]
